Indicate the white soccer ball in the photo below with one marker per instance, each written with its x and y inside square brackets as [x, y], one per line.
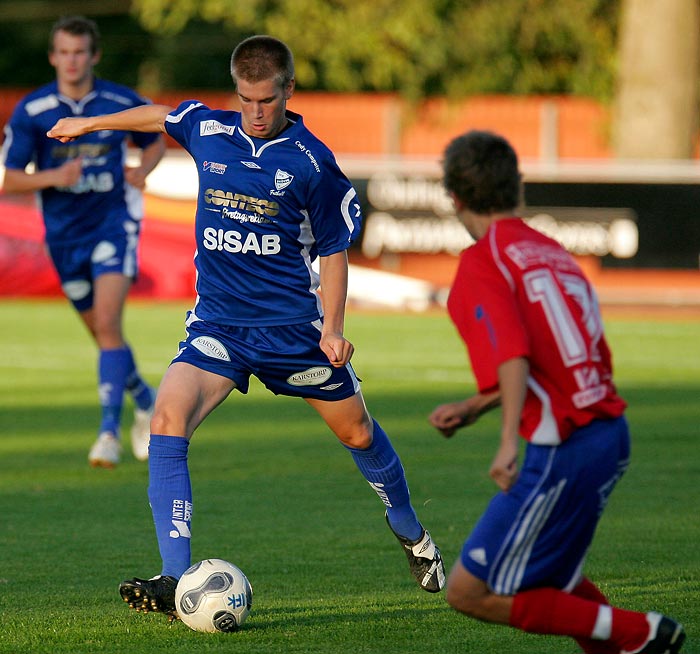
[213, 595]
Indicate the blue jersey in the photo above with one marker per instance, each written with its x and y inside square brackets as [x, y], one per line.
[101, 200]
[266, 208]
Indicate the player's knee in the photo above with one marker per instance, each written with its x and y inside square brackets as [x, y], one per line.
[357, 435]
[457, 600]
[167, 423]
[464, 602]
[107, 333]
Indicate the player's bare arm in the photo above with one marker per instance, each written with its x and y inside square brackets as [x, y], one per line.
[334, 289]
[448, 418]
[147, 118]
[19, 181]
[512, 380]
[150, 156]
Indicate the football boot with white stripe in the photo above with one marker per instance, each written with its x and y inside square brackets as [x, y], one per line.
[424, 560]
[666, 636]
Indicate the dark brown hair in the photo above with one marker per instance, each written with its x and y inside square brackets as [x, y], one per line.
[77, 26]
[481, 169]
[260, 58]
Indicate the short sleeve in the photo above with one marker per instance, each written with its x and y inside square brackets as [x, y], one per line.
[334, 209]
[485, 311]
[19, 146]
[180, 122]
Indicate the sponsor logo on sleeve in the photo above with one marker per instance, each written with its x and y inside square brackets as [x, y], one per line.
[211, 127]
[213, 167]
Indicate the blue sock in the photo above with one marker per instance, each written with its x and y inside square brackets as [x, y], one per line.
[135, 384]
[382, 468]
[112, 370]
[170, 495]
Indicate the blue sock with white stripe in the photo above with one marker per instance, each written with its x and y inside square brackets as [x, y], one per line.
[135, 384]
[382, 468]
[112, 370]
[170, 495]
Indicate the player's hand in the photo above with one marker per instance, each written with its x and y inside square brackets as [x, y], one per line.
[135, 176]
[337, 348]
[68, 174]
[68, 129]
[504, 468]
[448, 418]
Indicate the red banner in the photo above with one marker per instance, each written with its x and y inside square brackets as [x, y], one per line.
[166, 270]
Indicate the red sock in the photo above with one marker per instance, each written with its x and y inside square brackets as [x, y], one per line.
[552, 611]
[630, 630]
[588, 590]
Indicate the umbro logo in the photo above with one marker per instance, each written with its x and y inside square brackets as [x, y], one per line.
[250, 164]
[426, 545]
[331, 387]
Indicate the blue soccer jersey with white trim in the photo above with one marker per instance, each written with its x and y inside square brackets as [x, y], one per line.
[101, 199]
[266, 208]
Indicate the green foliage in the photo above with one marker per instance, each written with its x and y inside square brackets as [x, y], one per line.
[24, 44]
[422, 48]
[413, 47]
[534, 46]
[276, 494]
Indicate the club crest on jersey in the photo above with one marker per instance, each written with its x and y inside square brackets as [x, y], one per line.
[213, 167]
[282, 180]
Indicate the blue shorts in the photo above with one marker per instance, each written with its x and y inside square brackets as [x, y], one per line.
[286, 359]
[79, 264]
[537, 534]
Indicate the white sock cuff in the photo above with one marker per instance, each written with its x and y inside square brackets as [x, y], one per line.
[603, 624]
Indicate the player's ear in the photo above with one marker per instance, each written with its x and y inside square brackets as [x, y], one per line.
[289, 90]
[97, 55]
[459, 205]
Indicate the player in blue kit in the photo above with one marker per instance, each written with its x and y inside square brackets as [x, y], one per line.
[91, 205]
[271, 200]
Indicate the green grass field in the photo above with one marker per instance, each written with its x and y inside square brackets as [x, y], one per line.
[277, 495]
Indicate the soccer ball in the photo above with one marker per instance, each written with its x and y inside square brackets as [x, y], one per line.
[213, 595]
